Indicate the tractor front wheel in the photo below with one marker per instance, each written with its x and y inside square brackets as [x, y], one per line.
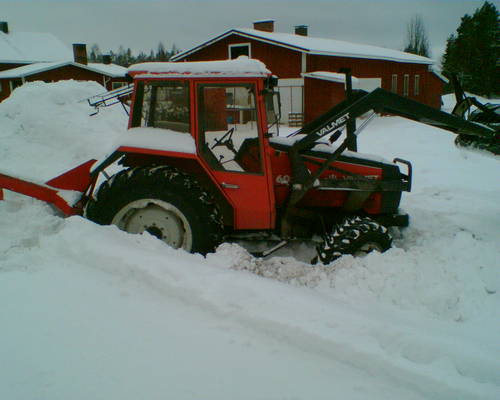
[355, 235]
[162, 201]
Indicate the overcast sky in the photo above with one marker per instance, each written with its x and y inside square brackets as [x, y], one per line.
[141, 24]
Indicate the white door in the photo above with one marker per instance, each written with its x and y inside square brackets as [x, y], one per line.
[292, 97]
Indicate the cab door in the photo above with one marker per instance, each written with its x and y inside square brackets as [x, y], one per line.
[230, 143]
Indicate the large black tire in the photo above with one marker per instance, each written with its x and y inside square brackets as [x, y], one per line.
[473, 142]
[355, 235]
[163, 201]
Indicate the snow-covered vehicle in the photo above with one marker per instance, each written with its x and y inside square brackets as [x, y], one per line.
[202, 163]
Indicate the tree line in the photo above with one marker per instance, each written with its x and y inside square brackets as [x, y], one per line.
[125, 57]
[472, 53]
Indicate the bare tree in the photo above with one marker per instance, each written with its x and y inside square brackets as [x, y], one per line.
[416, 37]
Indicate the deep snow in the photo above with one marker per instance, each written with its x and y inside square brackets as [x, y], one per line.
[92, 312]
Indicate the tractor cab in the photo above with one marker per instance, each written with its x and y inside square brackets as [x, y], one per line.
[224, 106]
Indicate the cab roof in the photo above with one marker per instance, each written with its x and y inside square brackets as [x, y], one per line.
[240, 67]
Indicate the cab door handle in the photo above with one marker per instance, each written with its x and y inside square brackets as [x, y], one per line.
[230, 185]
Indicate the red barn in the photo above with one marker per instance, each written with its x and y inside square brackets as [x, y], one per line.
[304, 66]
[26, 56]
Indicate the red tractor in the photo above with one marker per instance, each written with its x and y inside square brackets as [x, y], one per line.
[202, 163]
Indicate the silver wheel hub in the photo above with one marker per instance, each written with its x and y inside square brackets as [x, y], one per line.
[157, 217]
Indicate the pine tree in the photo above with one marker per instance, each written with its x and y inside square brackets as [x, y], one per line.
[173, 51]
[95, 54]
[472, 53]
[161, 53]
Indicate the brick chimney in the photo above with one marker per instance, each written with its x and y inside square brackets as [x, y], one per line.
[301, 30]
[4, 27]
[106, 58]
[80, 53]
[266, 25]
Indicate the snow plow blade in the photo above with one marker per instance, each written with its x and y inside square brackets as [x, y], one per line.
[73, 182]
[37, 191]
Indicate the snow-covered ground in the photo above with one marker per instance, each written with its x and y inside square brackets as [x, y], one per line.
[90, 312]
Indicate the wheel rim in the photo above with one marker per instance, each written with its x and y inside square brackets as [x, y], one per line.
[157, 217]
[368, 248]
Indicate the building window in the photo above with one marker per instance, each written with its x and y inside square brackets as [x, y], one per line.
[417, 85]
[406, 84]
[117, 85]
[241, 49]
[394, 83]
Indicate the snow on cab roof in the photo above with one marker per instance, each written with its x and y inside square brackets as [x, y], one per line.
[242, 66]
[319, 46]
[29, 47]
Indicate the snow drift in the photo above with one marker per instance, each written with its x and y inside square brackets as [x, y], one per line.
[92, 312]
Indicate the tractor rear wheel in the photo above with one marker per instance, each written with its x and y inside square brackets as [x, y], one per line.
[162, 201]
[355, 235]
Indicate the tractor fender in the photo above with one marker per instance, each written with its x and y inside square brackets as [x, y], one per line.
[125, 157]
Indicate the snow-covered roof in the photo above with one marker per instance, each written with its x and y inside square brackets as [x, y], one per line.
[242, 66]
[29, 47]
[367, 84]
[328, 76]
[439, 75]
[319, 46]
[111, 70]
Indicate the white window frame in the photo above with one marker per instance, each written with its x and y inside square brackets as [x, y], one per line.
[248, 44]
[416, 88]
[406, 84]
[394, 83]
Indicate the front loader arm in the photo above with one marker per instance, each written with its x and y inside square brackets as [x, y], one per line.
[383, 101]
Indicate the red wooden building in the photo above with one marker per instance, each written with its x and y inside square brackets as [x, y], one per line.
[26, 57]
[304, 66]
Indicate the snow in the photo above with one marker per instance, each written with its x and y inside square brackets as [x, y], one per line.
[325, 147]
[320, 46]
[29, 47]
[92, 312]
[157, 139]
[112, 70]
[367, 84]
[241, 66]
[329, 76]
[47, 130]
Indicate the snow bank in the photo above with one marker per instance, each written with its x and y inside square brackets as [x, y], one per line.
[46, 129]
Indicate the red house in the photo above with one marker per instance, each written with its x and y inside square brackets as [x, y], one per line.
[307, 67]
[26, 57]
